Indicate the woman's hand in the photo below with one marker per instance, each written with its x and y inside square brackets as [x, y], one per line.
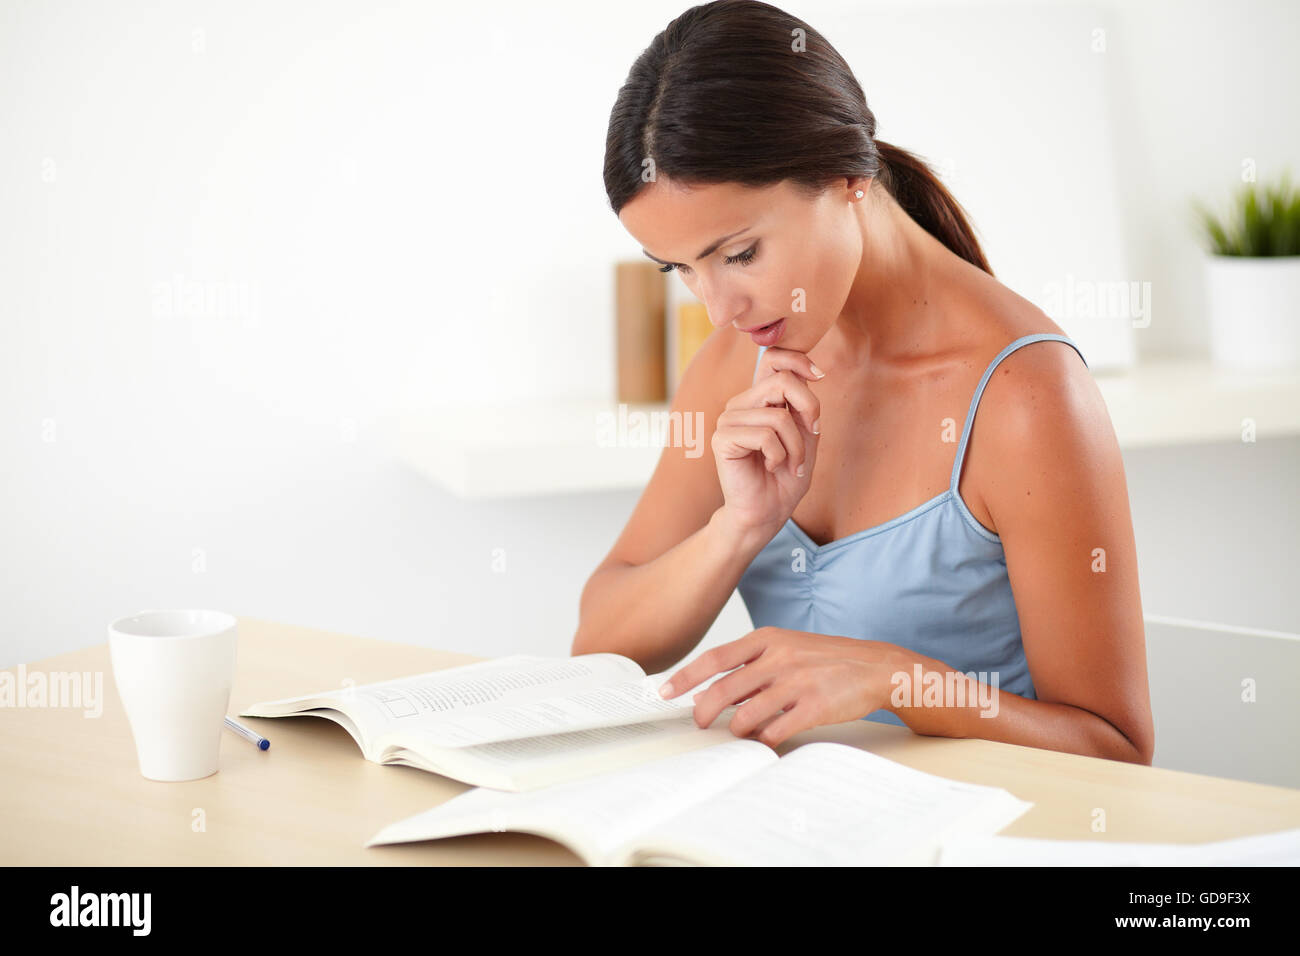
[766, 434]
[790, 681]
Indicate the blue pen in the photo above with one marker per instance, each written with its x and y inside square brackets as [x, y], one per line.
[262, 742]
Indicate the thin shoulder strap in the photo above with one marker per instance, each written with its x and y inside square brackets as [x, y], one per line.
[988, 373]
[761, 350]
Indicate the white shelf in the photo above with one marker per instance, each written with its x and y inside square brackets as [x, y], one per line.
[504, 452]
[485, 452]
[1190, 401]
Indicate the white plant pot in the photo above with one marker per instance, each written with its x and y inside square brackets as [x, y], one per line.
[1253, 306]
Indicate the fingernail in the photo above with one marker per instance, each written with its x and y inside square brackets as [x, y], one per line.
[666, 690]
[817, 427]
[816, 371]
[800, 471]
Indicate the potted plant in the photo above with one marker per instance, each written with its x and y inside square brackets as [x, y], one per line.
[1252, 278]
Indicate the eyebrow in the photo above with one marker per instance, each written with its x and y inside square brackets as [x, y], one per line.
[707, 252]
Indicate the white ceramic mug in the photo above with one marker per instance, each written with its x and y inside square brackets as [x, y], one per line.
[174, 670]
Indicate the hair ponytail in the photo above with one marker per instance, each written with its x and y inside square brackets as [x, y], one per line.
[723, 95]
[918, 190]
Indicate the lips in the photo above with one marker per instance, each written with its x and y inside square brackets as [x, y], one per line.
[768, 335]
[760, 328]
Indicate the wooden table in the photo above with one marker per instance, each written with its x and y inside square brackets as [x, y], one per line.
[73, 793]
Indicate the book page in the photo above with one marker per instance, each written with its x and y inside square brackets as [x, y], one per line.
[621, 702]
[830, 804]
[427, 700]
[609, 705]
[597, 815]
[1267, 849]
[527, 763]
[340, 718]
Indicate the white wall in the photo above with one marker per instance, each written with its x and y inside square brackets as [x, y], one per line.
[1208, 87]
[339, 175]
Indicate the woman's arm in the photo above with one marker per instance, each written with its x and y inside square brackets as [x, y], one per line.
[655, 613]
[1060, 505]
[1012, 719]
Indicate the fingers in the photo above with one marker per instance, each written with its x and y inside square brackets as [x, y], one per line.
[778, 359]
[767, 722]
[802, 368]
[769, 430]
[759, 714]
[780, 727]
[732, 689]
[717, 660]
[784, 387]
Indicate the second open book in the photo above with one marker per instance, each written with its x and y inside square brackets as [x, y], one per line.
[737, 804]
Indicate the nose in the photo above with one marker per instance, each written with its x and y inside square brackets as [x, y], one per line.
[723, 301]
[723, 309]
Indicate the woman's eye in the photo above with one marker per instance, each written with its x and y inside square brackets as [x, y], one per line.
[744, 258]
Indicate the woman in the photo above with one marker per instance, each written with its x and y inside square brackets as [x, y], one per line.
[962, 578]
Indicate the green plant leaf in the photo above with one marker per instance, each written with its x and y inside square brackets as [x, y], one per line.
[1219, 242]
[1263, 220]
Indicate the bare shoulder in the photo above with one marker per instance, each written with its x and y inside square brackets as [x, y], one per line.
[1041, 405]
[1037, 368]
[1041, 411]
[1036, 374]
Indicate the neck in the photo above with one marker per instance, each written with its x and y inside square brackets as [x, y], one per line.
[887, 314]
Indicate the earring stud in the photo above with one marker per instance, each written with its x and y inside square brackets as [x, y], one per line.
[858, 194]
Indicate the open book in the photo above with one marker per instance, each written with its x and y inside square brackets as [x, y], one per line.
[737, 804]
[514, 723]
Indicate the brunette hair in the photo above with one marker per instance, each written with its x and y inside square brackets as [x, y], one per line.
[739, 91]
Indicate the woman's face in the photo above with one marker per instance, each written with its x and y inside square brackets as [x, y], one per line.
[781, 256]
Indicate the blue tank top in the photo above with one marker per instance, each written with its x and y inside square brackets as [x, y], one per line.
[933, 580]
